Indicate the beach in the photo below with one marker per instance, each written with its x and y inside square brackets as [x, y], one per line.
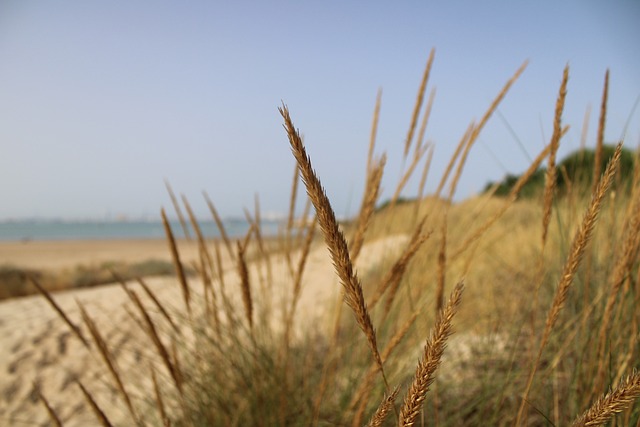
[40, 354]
[60, 254]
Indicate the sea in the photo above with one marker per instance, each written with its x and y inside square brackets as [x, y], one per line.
[34, 230]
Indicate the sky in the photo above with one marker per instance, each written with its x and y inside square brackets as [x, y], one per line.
[100, 102]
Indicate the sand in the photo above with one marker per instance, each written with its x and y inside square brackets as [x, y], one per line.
[38, 351]
[70, 253]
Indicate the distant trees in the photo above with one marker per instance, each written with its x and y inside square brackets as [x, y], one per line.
[574, 172]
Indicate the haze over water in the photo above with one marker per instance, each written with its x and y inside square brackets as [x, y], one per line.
[27, 230]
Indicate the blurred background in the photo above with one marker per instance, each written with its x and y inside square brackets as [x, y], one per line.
[100, 102]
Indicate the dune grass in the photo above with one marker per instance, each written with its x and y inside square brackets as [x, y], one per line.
[546, 332]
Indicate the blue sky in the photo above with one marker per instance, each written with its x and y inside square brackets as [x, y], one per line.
[101, 101]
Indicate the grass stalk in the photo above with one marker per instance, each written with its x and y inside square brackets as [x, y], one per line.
[383, 410]
[580, 241]
[550, 177]
[158, 304]
[99, 413]
[245, 286]
[153, 334]
[53, 416]
[397, 271]
[74, 328]
[107, 357]
[220, 225]
[176, 207]
[158, 396]
[374, 131]
[597, 163]
[371, 194]
[361, 395]
[336, 243]
[182, 277]
[418, 104]
[611, 403]
[430, 360]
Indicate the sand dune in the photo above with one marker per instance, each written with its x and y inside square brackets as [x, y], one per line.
[38, 350]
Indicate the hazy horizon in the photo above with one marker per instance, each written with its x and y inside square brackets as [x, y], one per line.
[101, 102]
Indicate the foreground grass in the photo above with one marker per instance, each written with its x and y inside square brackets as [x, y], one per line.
[546, 325]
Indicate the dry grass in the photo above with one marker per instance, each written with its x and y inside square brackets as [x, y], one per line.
[241, 352]
[550, 177]
[611, 403]
[433, 351]
[578, 247]
[334, 239]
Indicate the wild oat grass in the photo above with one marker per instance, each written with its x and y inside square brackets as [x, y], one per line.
[538, 340]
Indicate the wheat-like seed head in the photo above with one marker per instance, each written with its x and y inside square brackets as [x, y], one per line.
[630, 244]
[383, 410]
[601, 125]
[580, 242]
[245, 286]
[418, 104]
[433, 351]
[425, 120]
[334, 239]
[611, 403]
[374, 131]
[550, 178]
[371, 194]
[578, 246]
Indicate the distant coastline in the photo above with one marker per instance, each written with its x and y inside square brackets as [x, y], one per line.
[38, 230]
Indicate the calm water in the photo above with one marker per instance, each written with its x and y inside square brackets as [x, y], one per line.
[64, 230]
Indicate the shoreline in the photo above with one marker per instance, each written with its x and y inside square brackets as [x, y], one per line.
[61, 254]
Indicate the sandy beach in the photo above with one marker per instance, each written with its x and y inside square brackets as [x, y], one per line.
[39, 352]
[59, 254]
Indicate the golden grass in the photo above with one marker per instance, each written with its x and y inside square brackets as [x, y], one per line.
[433, 351]
[182, 277]
[100, 415]
[383, 410]
[601, 126]
[53, 416]
[360, 396]
[335, 240]
[578, 247]
[63, 315]
[245, 286]
[611, 403]
[550, 177]
[372, 192]
[392, 279]
[418, 104]
[107, 357]
[245, 354]
[176, 206]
